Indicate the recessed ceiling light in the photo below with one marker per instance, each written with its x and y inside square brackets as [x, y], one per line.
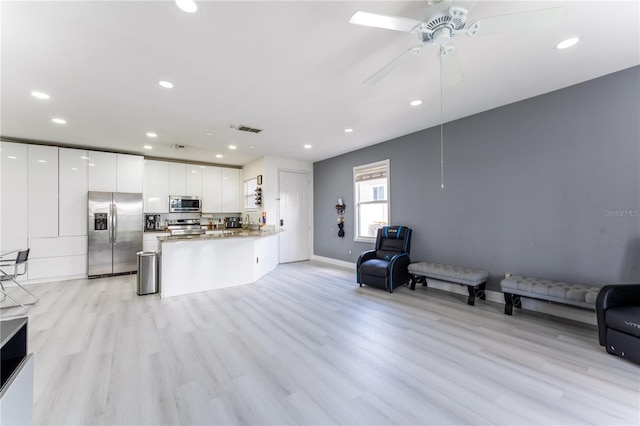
[39, 95]
[218, 155]
[148, 147]
[152, 135]
[307, 146]
[208, 133]
[42, 161]
[416, 102]
[166, 84]
[232, 147]
[252, 146]
[74, 168]
[202, 167]
[188, 6]
[59, 121]
[11, 157]
[349, 130]
[567, 43]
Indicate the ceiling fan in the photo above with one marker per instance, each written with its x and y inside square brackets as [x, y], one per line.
[446, 19]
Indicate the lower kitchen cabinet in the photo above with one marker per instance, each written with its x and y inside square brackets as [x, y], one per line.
[57, 257]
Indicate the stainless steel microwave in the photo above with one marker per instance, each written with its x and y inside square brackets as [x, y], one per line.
[185, 204]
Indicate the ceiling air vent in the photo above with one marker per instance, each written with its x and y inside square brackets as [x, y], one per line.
[244, 128]
[179, 147]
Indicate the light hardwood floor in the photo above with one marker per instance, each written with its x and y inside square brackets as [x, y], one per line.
[306, 345]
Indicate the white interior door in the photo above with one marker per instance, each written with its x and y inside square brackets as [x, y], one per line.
[294, 216]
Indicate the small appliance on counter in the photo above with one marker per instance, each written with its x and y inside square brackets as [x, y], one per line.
[152, 222]
[185, 227]
[232, 222]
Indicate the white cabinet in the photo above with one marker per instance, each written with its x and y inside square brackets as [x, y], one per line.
[194, 180]
[156, 186]
[212, 190]
[231, 190]
[177, 179]
[72, 199]
[129, 174]
[13, 193]
[150, 240]
[102, 171]
[109, 172]
[42, 191]
[57, 257]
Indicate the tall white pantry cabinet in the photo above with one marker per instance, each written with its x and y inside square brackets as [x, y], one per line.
[44, 202]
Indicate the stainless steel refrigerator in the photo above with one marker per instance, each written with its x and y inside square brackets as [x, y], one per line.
[115, 232]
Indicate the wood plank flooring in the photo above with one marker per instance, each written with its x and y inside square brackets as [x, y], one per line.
[306, 346]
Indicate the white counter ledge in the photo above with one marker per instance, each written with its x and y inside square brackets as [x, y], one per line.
[207, 262]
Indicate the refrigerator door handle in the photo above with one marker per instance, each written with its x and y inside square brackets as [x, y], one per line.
[110, 223]
[114, 219]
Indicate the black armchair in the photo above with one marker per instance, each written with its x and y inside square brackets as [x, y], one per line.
[386, 266]
[618, 314]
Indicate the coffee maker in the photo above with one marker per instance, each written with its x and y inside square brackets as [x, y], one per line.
[152, 222]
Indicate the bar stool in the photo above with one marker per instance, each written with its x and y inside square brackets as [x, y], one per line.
[10, 270]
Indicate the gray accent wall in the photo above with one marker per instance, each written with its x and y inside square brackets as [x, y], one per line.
[548, 187]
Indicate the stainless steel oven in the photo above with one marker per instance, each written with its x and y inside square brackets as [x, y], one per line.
[185, 204]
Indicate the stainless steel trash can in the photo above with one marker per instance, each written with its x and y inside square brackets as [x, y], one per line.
[147, 272]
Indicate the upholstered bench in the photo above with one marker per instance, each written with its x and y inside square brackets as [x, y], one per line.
[474, 279]
[516, 286]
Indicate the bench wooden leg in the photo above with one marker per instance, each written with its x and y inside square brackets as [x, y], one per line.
[417, 279]
[481, 291]
[511, 300]
[476, 291]
[472, 295]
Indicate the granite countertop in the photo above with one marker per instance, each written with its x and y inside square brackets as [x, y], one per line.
[219, 235]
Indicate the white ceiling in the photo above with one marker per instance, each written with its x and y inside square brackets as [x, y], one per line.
[292, 68]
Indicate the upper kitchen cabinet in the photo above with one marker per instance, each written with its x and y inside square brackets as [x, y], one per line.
[177, 179]
[194, 180]
[156, 186]
[42, 191]
[102, 171]
[13, 193]
[74, 185]
[129, 173]
[109, 172]
[231, 190]
[212, 190]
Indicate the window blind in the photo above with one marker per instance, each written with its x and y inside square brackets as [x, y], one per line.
[375, 171]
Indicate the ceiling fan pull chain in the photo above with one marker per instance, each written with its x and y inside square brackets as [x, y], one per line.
[441, 123]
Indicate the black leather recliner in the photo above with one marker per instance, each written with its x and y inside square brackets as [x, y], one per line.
[618, 313]
[386, 266]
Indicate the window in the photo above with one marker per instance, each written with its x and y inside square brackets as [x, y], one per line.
[250, 194]
[371, 199]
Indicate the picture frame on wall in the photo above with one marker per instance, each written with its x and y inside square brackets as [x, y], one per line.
[259, 179]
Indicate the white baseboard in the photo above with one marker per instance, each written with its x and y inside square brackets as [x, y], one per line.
[336, 262]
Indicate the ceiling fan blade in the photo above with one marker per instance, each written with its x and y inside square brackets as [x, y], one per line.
[388, 69]
[451, 69]
[541, 19]
[384, 21]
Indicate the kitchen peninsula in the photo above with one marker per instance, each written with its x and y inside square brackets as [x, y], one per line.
[206, 262]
